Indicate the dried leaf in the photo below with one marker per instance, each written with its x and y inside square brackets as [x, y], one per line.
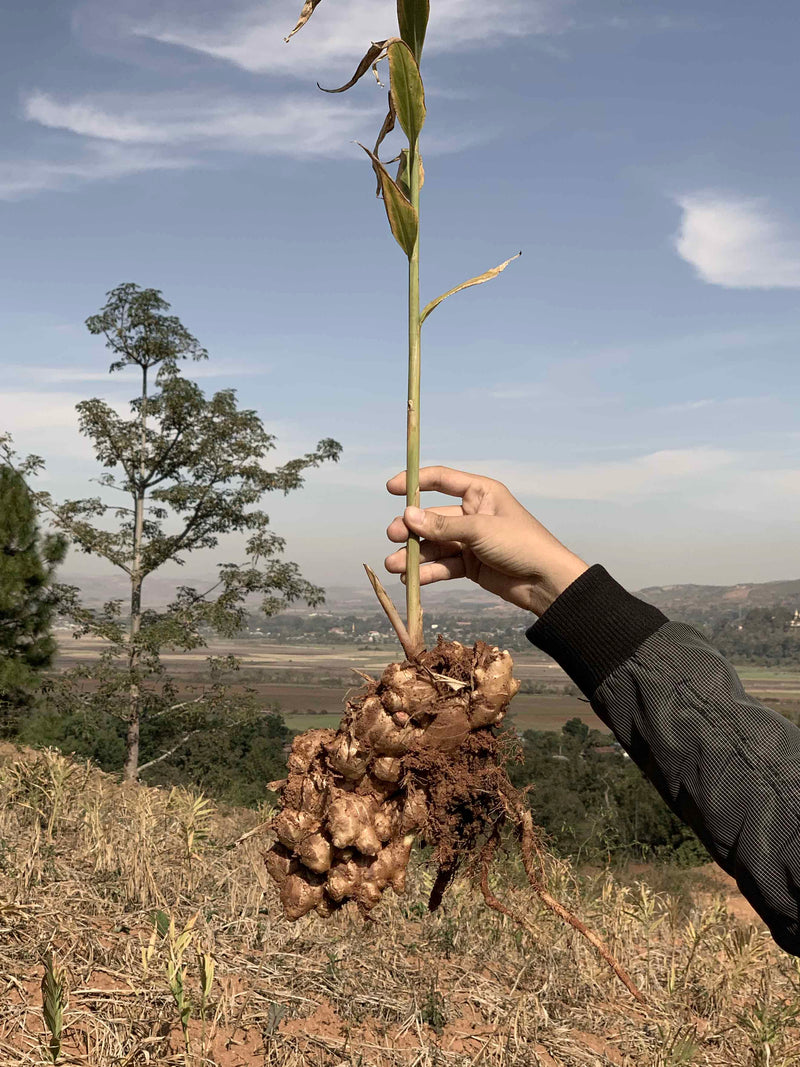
[305, 15]
[387, 127]
[385, 130]
[454, 683]
[406, 89]
[412, 17]
[376, 50]
[402, 217]
[487, 277]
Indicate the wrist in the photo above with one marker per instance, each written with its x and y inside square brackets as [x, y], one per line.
[550, 584]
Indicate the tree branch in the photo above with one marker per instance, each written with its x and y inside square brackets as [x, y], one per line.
[176, 707]
[170, 752]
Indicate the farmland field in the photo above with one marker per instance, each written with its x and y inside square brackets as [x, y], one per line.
[310, 682]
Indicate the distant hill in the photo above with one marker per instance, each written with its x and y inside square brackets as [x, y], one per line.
[698, 604]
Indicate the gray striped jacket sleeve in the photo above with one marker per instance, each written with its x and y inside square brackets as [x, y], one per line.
[725, 763]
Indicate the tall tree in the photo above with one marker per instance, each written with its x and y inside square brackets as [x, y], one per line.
[191, 469]
[28, 598]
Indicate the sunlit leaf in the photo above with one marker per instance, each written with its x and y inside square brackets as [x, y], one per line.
[305, 15]
[376, 50]
[487, 277]
[406, 89]
[412, 17]
[402, 217]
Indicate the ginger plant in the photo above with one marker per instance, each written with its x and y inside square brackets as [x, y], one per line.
[401, 198]
[417, 753]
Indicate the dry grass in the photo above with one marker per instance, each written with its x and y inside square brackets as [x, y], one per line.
[167, 946]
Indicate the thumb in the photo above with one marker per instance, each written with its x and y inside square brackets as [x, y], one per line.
[436, 527]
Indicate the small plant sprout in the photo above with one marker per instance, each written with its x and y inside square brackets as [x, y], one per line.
[418, 752]
[177, 944]
[54, 1003]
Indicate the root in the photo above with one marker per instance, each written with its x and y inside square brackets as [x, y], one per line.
[417, 756]
[530, 849]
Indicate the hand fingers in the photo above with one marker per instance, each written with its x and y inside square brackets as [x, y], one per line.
[429, 551]
[427, 523]
[398, 531]
[437, 479]
[442, 571]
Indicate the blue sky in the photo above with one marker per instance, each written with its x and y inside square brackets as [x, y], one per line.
[632, 377]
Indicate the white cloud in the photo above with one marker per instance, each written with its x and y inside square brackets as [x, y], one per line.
[117, 135]
[666, 471]
[251, 36]
[715, 402]
[23, 411]
[737, 243]
[202, 370]
[770, 492]
[124, 134]
[91, 162]
[678, 471]
[263, 125]
[46, 423]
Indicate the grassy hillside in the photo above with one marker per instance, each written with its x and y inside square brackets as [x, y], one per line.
[121, 884]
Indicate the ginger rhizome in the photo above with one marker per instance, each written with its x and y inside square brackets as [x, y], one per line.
[415, 756]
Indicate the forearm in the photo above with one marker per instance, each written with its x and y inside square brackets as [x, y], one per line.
[726, 764]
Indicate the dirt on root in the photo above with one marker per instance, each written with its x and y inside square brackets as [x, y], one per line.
[417, 755]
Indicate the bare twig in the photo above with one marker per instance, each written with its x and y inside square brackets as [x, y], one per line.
[392, 614]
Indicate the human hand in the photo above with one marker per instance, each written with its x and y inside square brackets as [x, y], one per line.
[489, 538]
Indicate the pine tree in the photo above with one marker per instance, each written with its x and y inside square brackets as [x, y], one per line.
[28, 598]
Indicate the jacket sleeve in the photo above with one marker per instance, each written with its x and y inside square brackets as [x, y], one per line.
[726, 764]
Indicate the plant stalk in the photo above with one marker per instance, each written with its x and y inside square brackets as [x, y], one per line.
[413, 605]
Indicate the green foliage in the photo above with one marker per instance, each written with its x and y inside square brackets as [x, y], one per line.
[231, 756]
[192, 470]
[54, 1000]
[233, 764]
[594, 803]
[28, 599]
[763, 636]
[412, 18]
[407, 91]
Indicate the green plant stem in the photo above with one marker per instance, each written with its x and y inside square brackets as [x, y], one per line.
[413, 606]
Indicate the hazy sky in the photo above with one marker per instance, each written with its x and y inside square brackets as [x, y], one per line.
[632, 377]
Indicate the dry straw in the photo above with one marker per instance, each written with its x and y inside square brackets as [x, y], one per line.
[453, 988]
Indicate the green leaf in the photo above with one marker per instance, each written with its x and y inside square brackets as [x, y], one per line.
[160, 921]
[478, 280]
[402, 217]
[406, 89]
[403, 178]
[305, 15]
[412, 18]
[371, 57]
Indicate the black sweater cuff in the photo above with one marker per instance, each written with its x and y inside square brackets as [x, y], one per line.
[593, 627]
